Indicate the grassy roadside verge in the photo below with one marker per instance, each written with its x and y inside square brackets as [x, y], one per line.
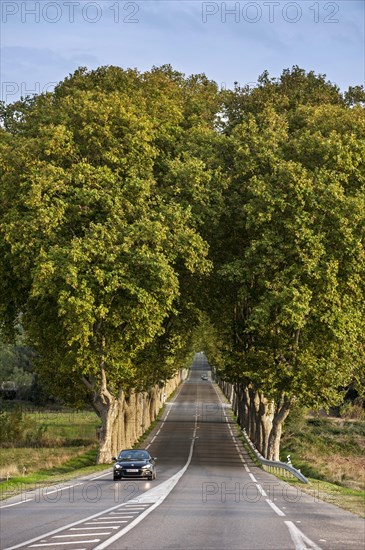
[60, 463]
[45, 447]
[330, 453]
[347, 498]
[78, 466]
[350, 500]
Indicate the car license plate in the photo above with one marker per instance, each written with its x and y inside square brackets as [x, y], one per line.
[132, 470]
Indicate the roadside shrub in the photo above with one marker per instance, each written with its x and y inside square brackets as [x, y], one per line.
[18, 429]
[296, 420]
[353, 410]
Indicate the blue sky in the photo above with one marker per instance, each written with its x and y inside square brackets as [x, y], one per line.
[43, 41]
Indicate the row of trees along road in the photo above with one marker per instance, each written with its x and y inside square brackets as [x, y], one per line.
[145, 214]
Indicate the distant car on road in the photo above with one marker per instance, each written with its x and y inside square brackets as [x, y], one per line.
[204, 377]
[134, 463]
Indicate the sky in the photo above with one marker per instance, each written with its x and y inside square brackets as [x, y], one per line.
[43, 41]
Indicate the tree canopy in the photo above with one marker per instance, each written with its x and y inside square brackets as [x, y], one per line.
[290, 248]
[136, 206]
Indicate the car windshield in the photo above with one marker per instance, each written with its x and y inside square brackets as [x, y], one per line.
[133, 455]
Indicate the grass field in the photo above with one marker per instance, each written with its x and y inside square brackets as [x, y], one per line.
[67, 449]
[331, 453]
[64, 436]
[329, 449]
[71, 428]
[78, 465]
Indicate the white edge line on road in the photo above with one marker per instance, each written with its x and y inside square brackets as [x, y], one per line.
[261, 490]
[274, 507]
[175, 478]
[46, 492]
[301, 541]
[101, 475]
[16, 503]
[62, 488]
[169, 486]
[237, 447]
[164, 418]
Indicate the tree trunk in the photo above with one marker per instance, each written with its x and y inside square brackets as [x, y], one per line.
[124, 419]
[252, 415]
[129, 420]
[111, 434]
[110, 409]
[246, 409]
[240, 405]
[258, 436]
[280, 414]
[234, 400]
[266, 419]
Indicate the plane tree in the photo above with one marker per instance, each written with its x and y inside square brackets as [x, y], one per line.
[290, 253]
[94, 245]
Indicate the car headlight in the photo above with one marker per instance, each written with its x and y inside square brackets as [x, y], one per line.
[147, 467]
[117, 466]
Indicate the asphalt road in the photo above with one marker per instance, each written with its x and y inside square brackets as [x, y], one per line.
[208, 495]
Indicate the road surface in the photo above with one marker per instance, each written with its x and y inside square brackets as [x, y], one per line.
[208, 495]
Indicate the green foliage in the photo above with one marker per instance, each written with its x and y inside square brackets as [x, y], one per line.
[8, 362]
[104, 188]
[355, 410]
[132, 202]
[284, 95]
[15, 361]
[292, 270]
[18, 429]
[16, 371]
[355, 95]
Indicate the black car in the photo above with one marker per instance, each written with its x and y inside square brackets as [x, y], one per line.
[134, 463]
